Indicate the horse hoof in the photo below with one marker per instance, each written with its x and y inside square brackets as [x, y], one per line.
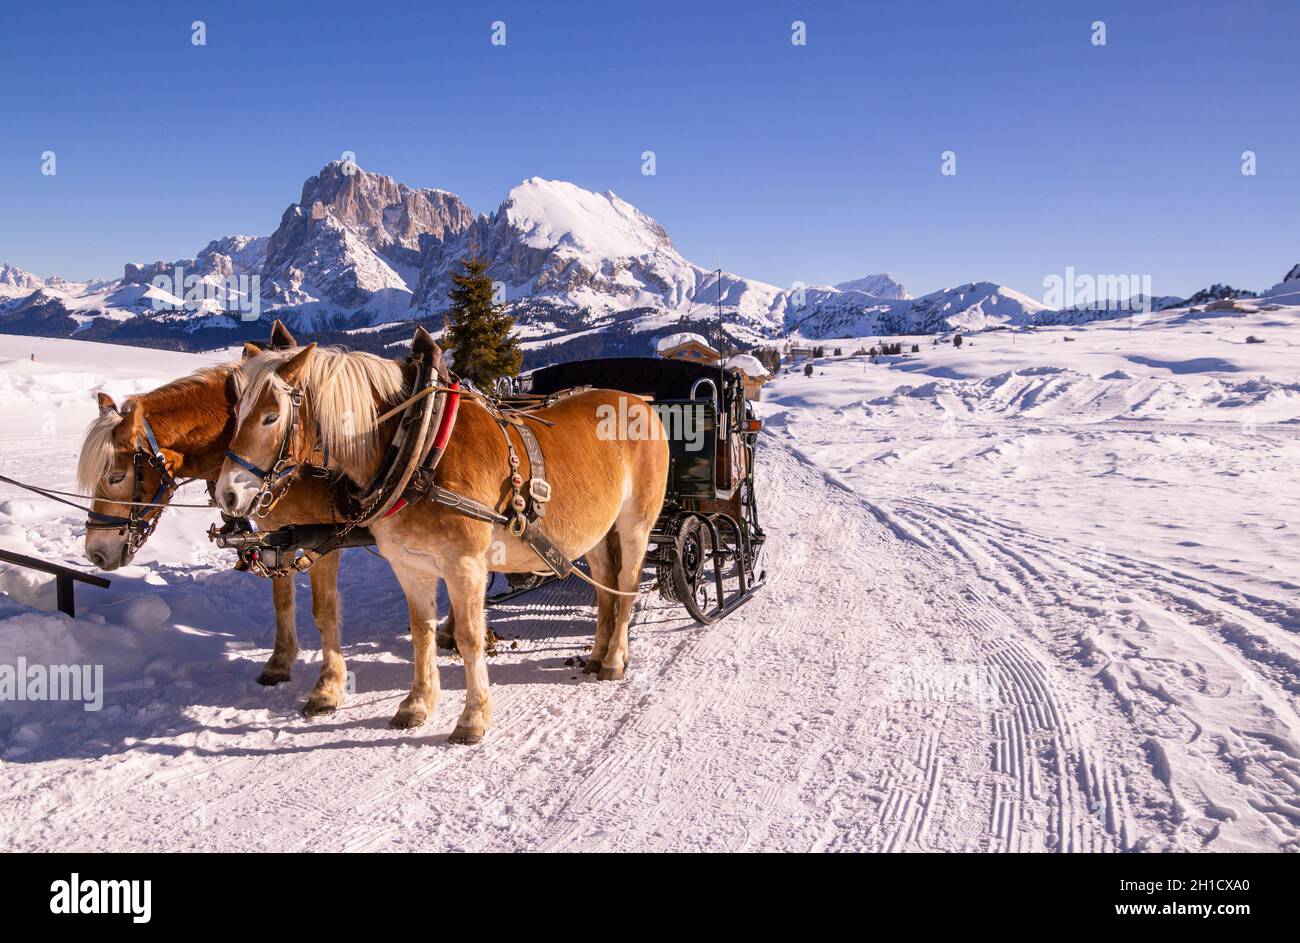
[591, 667]
[267, 679]
[611, 673]
[467, 735]
[405, 719]
[316, 708]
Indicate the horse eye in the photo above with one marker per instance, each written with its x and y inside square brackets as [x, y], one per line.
[116, 479]
[270, 418]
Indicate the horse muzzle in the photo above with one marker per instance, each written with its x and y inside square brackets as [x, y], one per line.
[237, 492]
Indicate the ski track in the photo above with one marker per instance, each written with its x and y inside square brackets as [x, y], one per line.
[1219, 725]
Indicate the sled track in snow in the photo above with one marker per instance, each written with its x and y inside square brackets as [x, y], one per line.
[1232, 763]
[911, 678]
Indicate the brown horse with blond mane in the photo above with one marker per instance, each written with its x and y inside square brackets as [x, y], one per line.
[190, 421]
[606, 494]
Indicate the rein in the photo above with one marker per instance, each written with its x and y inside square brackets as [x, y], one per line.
[54, 495]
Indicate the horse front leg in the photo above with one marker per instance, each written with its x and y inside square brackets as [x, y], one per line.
[466, 585]
[280, 665]
[328, 693]
[421, 592]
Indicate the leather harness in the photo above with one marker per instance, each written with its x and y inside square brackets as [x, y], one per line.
[406, 474]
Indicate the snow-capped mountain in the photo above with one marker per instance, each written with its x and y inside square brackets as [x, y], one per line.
[972, 307]
[1289, 285]
[882, 285]
[351, 244]
[15, 281]
[554, 241]
[360, 251]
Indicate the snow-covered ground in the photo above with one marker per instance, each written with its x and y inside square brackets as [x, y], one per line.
[1026, 594]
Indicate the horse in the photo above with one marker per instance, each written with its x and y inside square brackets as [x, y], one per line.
[605, 494]
[182, 430]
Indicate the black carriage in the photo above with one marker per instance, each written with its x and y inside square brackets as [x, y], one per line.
[707, 542]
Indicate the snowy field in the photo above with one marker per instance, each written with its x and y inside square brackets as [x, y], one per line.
[1029, 594]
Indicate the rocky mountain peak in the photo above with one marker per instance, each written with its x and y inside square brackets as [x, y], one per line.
[12, 278]
[353, 234]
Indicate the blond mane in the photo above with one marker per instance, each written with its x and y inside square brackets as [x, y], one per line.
[99, 447]
[339, 391]
[97, 451]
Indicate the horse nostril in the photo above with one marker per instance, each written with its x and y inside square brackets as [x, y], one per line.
[230, 500]
[97, 558]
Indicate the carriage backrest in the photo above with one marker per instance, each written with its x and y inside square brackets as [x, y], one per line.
[702, 465]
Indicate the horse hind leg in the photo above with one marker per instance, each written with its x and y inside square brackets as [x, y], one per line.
[447, 633]
[632, 541]
[279, 666]
[602, 560]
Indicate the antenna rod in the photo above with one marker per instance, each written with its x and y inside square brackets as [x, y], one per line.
[722, 336]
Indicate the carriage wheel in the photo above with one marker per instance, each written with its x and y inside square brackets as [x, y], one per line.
[694, 572]
[754, 533]
[524, 582]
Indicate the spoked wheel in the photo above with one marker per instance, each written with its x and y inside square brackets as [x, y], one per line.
[749, 514]
[695, 572]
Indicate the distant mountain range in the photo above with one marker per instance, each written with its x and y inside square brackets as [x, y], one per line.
[360, 256]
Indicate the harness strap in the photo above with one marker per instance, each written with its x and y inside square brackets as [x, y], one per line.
[422, 480]
[263, 473]
[539, 489]
[156, 457]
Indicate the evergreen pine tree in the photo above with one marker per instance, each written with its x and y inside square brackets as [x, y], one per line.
[478, 330]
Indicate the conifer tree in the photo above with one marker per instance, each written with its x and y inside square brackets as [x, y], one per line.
[478, 330]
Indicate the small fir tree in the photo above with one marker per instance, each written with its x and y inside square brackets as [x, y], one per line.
[478, 329]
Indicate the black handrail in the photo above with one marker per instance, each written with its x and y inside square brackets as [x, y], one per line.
[63, 577]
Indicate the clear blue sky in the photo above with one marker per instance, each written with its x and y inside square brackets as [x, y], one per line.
[817, 163]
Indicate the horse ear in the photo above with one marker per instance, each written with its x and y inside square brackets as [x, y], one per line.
[251, 350]
[234, 386]
[106, 404]
[281, 339]
[291, 370]
[423, 345]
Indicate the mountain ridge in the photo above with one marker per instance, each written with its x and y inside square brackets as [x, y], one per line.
[359, 250]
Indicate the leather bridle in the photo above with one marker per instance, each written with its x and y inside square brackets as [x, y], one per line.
[285, 464]
[142, 518]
